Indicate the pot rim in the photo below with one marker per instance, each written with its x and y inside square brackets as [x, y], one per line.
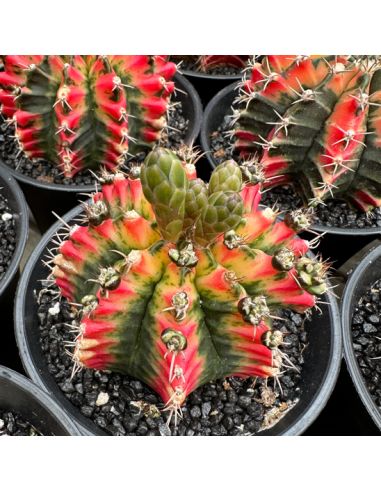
[206, 76]
[22, 226]
[346, 323]
[35, 392]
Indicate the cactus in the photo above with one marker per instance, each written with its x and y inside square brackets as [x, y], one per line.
[208, 63]
[314, 122]
[176, 282]
[84, 112]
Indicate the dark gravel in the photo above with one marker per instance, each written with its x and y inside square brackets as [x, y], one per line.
[45, 171]
[224, 407]
[7, 235]
[366, 339]
[190, 63]
[11, 424]
[335, 213]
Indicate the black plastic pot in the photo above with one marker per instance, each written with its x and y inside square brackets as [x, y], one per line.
[43, 198]
[18, 394]
[323, 354]
[208, 85]
[17, 203]
[338, 244]
[361, 277]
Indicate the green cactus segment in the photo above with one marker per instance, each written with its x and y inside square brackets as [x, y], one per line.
[226, 177]
[196, 201]
[314, 120]
[180, 204]
[84, 112]
[175, 303]
[223, 212]
[165, 185]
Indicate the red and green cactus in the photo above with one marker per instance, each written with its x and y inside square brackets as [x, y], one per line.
[207, 63]
[176, 282]
[314, 121]
[84, 112]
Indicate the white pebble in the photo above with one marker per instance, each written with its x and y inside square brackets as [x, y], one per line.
[6, 216]
[102, 399]
[55, 309]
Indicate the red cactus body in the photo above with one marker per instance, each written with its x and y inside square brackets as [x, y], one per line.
[209, 62]
[177, 281]
[86, 111]
[314, 121]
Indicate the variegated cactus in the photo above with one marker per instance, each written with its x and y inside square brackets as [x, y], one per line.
[176, 282]
[208, 63]
[84, 112]
[314, 121]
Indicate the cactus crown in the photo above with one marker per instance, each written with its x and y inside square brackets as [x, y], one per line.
[86, 111]
[175, 282]
[316, 122]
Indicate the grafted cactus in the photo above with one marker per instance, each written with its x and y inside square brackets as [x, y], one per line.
[314, 121]
[208, 63]
[86, 111]
[176, 282]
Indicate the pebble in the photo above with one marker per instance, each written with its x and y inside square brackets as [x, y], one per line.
[12, 424]
[206, 408]
[195, 412]
[102, 399]
[7, 235]
[366, 342]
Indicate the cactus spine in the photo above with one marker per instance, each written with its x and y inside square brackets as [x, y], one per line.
[177, 281]
[315, 122]
[84, 112]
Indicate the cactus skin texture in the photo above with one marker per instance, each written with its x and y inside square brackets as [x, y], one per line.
[86, 111]
[315, 122]
[175, 283]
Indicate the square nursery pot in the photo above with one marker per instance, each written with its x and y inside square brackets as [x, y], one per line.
[21, 396]
[337, 243]
[322, 355]
[44, 197]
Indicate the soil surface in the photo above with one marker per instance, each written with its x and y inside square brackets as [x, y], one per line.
[366, 339]
[11, 424]
[45, 171]
[334, 213]
[7, 235]
[121, 405]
